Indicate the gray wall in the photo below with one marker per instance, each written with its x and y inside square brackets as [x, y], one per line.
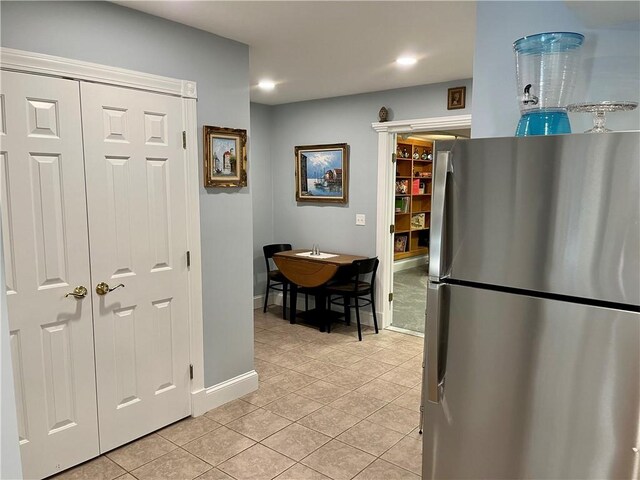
[610, 67]
[262, 189]
[113, 35]
[335, 120]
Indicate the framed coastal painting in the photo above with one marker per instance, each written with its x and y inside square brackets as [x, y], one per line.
[322, 173]
[225, 157]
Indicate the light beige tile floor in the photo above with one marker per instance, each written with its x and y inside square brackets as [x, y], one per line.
[328, 407]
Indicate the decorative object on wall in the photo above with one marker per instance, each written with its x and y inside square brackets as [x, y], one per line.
[322, 173]
[225, 157]
[456, 98]
[383, 114]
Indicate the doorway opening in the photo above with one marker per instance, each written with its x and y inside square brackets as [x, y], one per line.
[427, 130]
[412, 219]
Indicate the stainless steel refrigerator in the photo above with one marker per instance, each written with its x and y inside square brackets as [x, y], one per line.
[533, 309]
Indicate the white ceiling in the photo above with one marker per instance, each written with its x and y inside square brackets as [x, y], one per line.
[321, 49]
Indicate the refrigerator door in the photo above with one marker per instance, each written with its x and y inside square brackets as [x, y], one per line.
[555, 214]
[532, 388]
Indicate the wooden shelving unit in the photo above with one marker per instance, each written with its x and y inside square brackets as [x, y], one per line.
[413, 187]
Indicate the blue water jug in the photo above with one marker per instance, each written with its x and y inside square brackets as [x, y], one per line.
[546, 65]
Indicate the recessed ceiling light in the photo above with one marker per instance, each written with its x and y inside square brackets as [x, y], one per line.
[406, 61]
[266, 85]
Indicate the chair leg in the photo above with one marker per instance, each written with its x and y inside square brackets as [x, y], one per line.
[373, 310]
[285, 288]
[306, 302]
[266, 297]
[358, 320]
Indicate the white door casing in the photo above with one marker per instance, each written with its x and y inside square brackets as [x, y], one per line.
[387, 132]
[136, 194]
[47, 255]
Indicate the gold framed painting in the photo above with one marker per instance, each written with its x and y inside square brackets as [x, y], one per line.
[225, 157]
[322, 173]
[456, 98]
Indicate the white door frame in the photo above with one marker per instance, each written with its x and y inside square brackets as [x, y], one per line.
[40, 64]
[387, 132]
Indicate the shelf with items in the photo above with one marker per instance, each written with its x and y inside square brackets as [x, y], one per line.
[404, 150]
[420, 221]
[403, 204]
[414, 170]
[401, 243]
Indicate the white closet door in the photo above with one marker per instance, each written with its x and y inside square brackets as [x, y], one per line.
[136, 185]
[46, 256]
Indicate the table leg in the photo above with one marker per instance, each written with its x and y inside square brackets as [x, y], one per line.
[293, 297]
[321, 310]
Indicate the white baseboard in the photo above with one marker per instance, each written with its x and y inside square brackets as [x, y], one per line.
[224, 392]
[366, 317]
[258, 301]
[404, 330]
[407, 263]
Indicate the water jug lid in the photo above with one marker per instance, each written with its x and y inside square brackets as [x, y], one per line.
[548, 42]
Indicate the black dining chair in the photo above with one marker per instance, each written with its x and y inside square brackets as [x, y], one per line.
[275, 279]
[357, 288]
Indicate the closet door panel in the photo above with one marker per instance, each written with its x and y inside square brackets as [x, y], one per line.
[136, 181]
[45, 244]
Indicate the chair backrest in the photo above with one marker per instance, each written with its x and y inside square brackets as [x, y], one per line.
[363, 268]
[269, 250]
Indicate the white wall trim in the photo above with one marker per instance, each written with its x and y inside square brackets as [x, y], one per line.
[22, 61]
[208, 398]
[411, 262]
[423, 124]
[192, 169]
[386, 147]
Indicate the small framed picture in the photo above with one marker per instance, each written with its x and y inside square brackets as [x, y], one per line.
[322, 173]
[456, 98]
[225, 157]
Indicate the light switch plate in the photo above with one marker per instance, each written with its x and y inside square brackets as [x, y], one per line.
[360, 219]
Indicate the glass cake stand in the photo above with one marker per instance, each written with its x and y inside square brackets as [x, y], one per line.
[599, 109]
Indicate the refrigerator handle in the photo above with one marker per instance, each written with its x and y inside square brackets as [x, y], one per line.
[436, 258]
[432, 341]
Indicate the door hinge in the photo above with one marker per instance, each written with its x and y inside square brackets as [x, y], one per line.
[391, 297]
[393, 157]
[191, 371]
[184, 139]
[392, 228]
[188, 258]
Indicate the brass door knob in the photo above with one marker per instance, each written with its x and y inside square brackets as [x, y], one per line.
[103, 288]
[78, 292]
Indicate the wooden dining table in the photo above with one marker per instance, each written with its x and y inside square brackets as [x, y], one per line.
[302, 269]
